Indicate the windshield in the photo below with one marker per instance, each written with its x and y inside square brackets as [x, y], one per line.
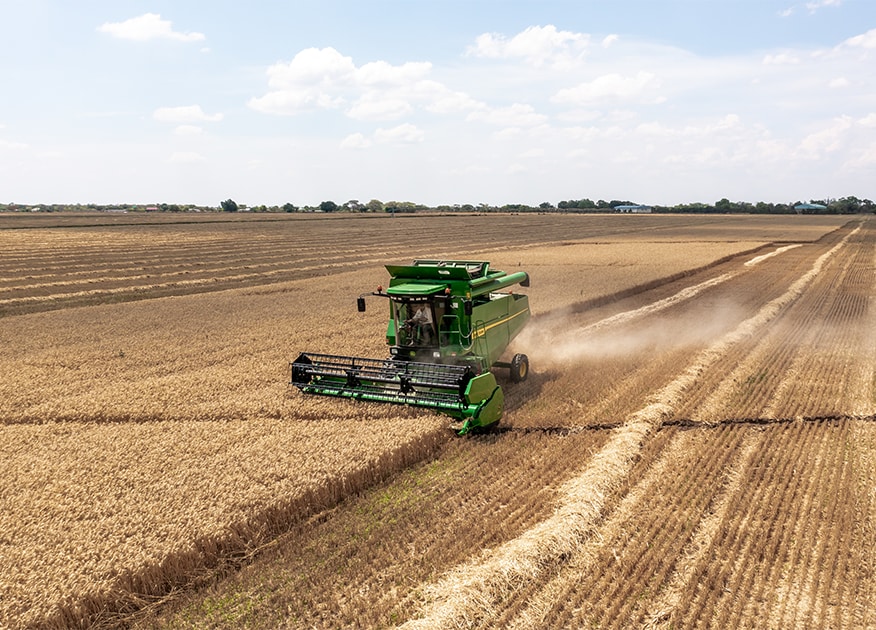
[414, 322]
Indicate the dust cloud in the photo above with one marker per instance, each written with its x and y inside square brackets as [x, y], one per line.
[654, 327]
[560, 339]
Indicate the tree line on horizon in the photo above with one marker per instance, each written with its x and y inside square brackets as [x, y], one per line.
[841, 205]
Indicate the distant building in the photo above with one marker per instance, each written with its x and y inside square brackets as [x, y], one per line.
[803, 208]
[633, 209]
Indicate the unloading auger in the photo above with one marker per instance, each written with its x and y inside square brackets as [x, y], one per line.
[449, 322]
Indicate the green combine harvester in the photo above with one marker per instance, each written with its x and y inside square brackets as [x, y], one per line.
[449, 322]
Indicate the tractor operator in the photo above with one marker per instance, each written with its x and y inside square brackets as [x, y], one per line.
[420, 324]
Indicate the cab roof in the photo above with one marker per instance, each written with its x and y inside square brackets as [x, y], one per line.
[415, 288]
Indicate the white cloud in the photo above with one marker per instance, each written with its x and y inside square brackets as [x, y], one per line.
[447, 102]
[185, 157]
[325, 79]
[517, 115]
[147, 27]
[531, 154]
[756, 121]
[374, 106]
[865, 40]
[536, 45]
[866, 159]
[381, 73]
[322, 67]
[188, 130]
[578, 116]
[815, 5]
[610, 87]
[403, 134]
[184, 114]
[286, 102]
[579, 134]
[826, 140]
[508, 133]
[400, 135]
[727, 125]
[730, 121]
[8, 144]
[655, 129]
[780, 59]
[356, 141]
[812, 7]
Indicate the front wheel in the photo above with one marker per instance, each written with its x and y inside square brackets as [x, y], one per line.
[519, 368]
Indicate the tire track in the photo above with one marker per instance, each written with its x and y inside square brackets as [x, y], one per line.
[694, 552]
[792, 598]
[863, 593]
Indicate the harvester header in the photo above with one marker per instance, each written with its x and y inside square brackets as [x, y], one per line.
[449, 322]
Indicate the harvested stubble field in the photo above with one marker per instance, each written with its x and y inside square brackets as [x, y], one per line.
[695, 446]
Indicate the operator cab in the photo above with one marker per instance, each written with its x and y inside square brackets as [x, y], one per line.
[414, 323]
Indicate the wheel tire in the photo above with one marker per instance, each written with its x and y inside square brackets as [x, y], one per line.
[519, 368]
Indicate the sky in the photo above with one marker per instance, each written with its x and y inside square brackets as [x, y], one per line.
[436, 102]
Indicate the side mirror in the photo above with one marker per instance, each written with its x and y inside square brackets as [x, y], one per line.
[467, 307]
[360, 304]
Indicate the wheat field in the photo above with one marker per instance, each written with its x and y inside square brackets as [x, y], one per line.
[152, 443]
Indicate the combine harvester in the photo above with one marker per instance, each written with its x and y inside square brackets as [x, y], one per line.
[449, 323]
